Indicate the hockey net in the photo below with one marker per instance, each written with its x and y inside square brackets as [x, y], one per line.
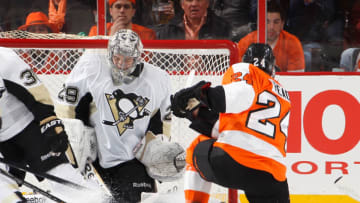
[53, 56]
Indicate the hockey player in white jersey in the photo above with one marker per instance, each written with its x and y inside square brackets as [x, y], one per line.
[9, 189]
[31, 135]
[132, 98]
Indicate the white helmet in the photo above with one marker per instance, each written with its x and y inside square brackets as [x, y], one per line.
[126, 43]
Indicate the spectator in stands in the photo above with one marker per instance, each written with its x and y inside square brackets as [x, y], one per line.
[350, 59]
[318, 24]
[122, 12]
[57, 11]
[78, 16]
[41, 60]
[352, 28]
[151, 13]
[38, 22]
[307, 18]
[237, 13]
[71, 17]
[254, 6]
[196, 21]
[287, 48]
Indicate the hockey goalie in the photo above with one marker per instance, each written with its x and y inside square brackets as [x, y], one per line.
[116, 94]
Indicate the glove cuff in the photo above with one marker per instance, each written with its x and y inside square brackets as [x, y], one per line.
[47, 119]
[50, 122]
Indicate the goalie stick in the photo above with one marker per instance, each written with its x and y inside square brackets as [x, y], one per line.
[43, 175]
[91, 173]
[83, 142]
[71, 156]
[31, 186]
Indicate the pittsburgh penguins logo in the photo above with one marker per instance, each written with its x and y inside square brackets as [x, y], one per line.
[125, 109]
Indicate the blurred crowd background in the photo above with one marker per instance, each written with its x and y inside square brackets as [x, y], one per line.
[306, 35]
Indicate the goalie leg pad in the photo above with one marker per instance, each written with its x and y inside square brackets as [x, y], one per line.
[164, 161]
[82, 140]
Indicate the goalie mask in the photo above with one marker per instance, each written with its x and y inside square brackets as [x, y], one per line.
[261, 55]
[124, 54]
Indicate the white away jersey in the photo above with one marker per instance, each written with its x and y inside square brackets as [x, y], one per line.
[15, 116]
[122, 112]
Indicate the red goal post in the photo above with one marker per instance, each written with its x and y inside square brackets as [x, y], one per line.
[52, 59]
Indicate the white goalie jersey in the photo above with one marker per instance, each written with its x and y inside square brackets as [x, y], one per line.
[123, 112]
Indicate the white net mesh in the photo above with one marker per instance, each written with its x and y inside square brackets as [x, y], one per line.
[19, 34]
[53, 65]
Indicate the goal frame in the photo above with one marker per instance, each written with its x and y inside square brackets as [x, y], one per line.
[102, 44]
[148, 44]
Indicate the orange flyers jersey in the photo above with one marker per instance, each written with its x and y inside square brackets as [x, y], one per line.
[253, 129]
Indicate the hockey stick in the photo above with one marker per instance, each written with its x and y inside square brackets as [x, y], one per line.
[71, 156]
[190, 78]
[91, 173]
[193, 102]
[31, 186]
[43, 175]
[348, 186]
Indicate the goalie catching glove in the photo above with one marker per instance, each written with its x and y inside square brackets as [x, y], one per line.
[185, 101]
[164, 161]
[53, 130]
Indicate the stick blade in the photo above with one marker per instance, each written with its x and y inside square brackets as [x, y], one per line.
[349, 186]
[190, 78]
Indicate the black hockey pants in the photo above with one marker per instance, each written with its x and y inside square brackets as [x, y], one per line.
[216, 166]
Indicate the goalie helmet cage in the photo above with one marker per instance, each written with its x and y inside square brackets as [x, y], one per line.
[53, 59]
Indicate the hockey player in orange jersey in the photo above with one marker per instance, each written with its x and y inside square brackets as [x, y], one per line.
[243, 125]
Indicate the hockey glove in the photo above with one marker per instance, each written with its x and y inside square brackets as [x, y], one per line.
[204, 121]
[53, 130]
[164, 160]
[187, 100]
